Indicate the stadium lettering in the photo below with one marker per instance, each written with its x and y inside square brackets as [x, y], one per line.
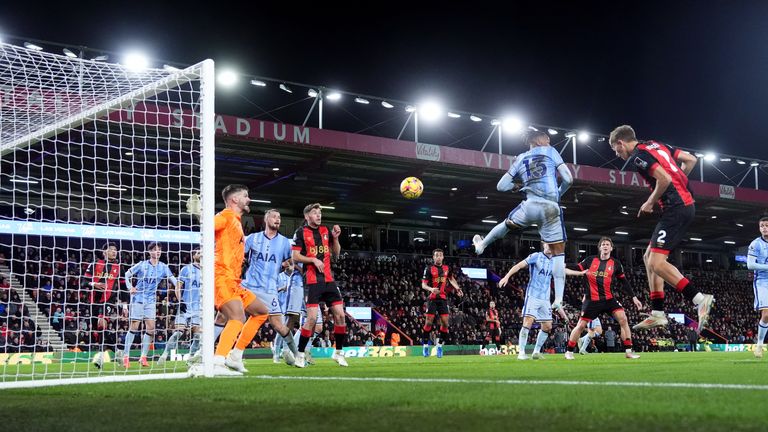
[301, 135]
[634, 180]
[489, 158]
[220, 126]
[243, 127]
[281, 135]
[26, 358]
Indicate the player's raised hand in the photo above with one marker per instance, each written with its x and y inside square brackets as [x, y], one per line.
[460, 293]
[645, 209]
[336, 231]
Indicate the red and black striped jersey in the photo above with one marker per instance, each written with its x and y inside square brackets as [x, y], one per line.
[314, 243]
[106, 272]
[436, 277]
[649, 156]
[602, 276]
[493, 316]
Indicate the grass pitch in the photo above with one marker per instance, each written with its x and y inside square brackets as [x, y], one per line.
[661, 391]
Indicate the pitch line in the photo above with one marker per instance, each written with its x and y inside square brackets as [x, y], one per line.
[518, 382]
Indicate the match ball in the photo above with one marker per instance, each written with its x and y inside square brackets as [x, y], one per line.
[411, 187]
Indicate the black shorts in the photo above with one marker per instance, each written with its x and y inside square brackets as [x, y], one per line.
[592, 309]
[326, 292]
[671, 229]
[437, 307]
[494, 333]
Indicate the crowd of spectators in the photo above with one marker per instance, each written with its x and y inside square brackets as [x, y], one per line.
[390, 283]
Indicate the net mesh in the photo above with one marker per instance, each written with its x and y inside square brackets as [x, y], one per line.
[97, 161]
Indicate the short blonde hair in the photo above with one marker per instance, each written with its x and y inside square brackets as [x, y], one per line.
[624, 133]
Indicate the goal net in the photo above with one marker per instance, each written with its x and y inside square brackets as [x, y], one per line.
[105, 172]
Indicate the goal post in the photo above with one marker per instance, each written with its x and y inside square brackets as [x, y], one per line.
[104, 169]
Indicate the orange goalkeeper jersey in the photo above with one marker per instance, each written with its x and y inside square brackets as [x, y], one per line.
[230, 245]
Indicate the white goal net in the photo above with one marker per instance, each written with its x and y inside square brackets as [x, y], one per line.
[104, 171]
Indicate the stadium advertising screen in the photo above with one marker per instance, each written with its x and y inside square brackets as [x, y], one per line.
[475, 273]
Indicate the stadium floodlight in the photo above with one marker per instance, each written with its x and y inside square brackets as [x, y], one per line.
[570, 134]
[563, 207]
[709, 260]
[482, 197]
[580, 229]
[439, 217]
[495, 122]
[699, 155]
[410, 108]
[533, 128]
[69, 53]
[128, 153]
[430, 111]
[387, 105]
[713, 217]
[725, 159]
[454, 188]
[582, 251]
[740, 225]
[227, 78]
[754, 164]
[275, 169]
[552, 131]
[333, 96]
[490, 221]
[710, 157]
[258, 83]
[730, 242]
[624, 212]
[695, 239]
[513, 125]
[312, 93]
[621, 232]
[740, 162]
[475, 118]
[136, 62]
[101, 58]
[421, 232]
[386, 212]
[583, 137]
[261, 201]
[33, 47]
[355, 235]
[453, 115]
[169, 68]
[285, 88]
[328, 207]
[362, 101]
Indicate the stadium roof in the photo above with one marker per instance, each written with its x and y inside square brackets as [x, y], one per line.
[358, 174]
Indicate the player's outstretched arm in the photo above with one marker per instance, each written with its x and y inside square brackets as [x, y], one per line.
[753, 265]
[569, 272]
[336, 246]
[516, 268]
[686, 161]
[506, 183]
[456, 286]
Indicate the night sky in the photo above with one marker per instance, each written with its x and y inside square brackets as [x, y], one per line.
[690, 73]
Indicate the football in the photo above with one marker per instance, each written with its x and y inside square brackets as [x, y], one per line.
[411, 187]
